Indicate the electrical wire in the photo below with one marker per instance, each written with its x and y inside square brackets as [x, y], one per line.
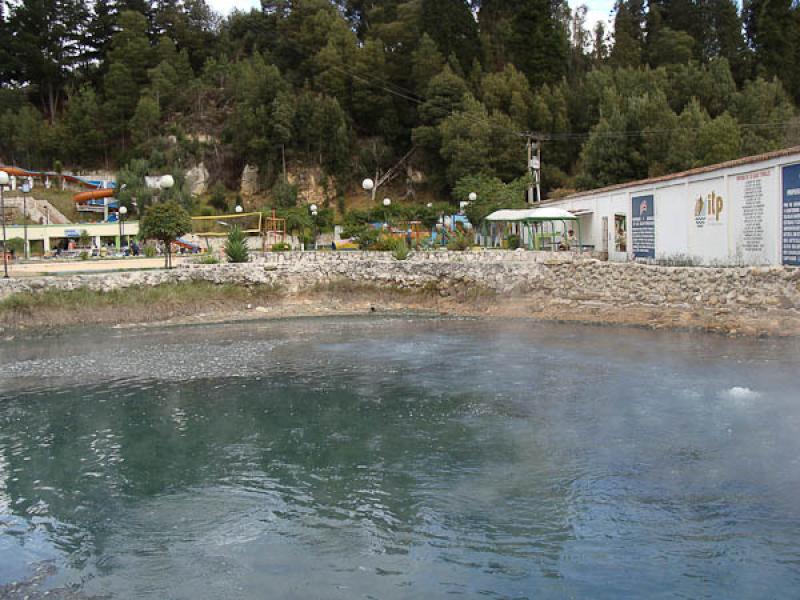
[567, 136]
[380, 85]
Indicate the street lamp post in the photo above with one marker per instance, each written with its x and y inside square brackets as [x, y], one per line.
[314, 213]
[387, 202]
[165, 183]
[3, 183]
[368, 186]
[26, 188]
[121, 216]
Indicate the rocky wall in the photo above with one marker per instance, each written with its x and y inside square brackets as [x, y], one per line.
[538, 284]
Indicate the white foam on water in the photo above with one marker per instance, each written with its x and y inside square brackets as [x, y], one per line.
[740, 394]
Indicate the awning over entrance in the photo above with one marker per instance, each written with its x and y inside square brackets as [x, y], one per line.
[532, 214]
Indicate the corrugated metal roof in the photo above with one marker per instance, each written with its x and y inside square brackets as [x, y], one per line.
[698, 171]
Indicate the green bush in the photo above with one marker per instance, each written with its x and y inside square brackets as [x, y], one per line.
[84, 255]
[236, 247]
[513, 241]
[400, 251]
[460, 241]
[284, 194]
[208, 259]
[16, 245]
[150, 251]
[281, 247]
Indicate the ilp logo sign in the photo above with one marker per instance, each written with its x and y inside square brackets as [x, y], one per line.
[708, 209]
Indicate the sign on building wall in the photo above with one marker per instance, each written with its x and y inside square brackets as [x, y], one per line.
[791, 215]
[643, 226]
[755, 217]
[708, 220]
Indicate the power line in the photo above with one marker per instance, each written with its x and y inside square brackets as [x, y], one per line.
[380, 85]
[568, 135]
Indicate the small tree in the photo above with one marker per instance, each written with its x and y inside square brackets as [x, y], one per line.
[84, 239]
[165, 222]
[236, 247]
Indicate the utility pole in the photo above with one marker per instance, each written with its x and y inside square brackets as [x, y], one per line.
[534, 145]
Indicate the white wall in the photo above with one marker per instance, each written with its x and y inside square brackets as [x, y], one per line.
[729, 216]
[672, 227]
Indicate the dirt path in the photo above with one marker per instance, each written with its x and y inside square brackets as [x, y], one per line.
[56, 267]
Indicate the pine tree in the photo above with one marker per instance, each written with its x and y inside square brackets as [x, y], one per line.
[452, 27]
[629, 23]
[531, 34]
[773, 33]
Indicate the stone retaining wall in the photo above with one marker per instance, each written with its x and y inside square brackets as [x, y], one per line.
[555, 285]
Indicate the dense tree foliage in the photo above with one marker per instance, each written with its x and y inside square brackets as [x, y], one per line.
[353, 85]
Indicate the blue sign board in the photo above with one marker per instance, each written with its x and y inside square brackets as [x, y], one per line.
[791, 215]
[72, 233]
[643, 226]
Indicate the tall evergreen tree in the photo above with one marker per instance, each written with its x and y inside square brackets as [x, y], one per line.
[773, 33]
[531, 34]
[452, 26]
[629, 23]
[47, 39]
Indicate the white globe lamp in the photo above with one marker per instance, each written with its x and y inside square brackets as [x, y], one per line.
[166, 182]
[387, 202]
[472, 196]
[239, 208]
[368, 185]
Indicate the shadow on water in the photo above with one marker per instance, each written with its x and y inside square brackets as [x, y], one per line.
[391, 458]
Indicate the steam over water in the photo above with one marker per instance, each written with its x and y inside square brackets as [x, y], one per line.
[399, 458]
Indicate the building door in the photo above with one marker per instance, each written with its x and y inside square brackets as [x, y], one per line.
[619, 239]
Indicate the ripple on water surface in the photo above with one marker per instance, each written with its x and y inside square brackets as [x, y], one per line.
[397, 458]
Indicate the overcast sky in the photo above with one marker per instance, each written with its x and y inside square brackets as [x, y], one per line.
[598, 9]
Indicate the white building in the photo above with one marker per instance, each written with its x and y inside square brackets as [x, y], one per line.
[742, 212]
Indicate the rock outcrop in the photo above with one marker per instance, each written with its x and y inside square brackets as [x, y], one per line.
[249, 185]
[197, 180]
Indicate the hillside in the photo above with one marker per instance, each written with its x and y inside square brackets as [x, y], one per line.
[347, 88]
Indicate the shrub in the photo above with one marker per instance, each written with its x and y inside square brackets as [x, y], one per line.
[150, 251]
[400, 251]
[460, 241]
[236, 247]
[85, 239]
[385, 243]
[284, 194]
[281, 247]
[84, 255]
[16, 246]
[208, 259]
[513, 241]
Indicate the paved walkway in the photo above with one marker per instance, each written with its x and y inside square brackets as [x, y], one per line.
[55, 267]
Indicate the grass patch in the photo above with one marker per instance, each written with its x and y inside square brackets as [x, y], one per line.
[63, 202]
[462, 292]
[135, 304]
